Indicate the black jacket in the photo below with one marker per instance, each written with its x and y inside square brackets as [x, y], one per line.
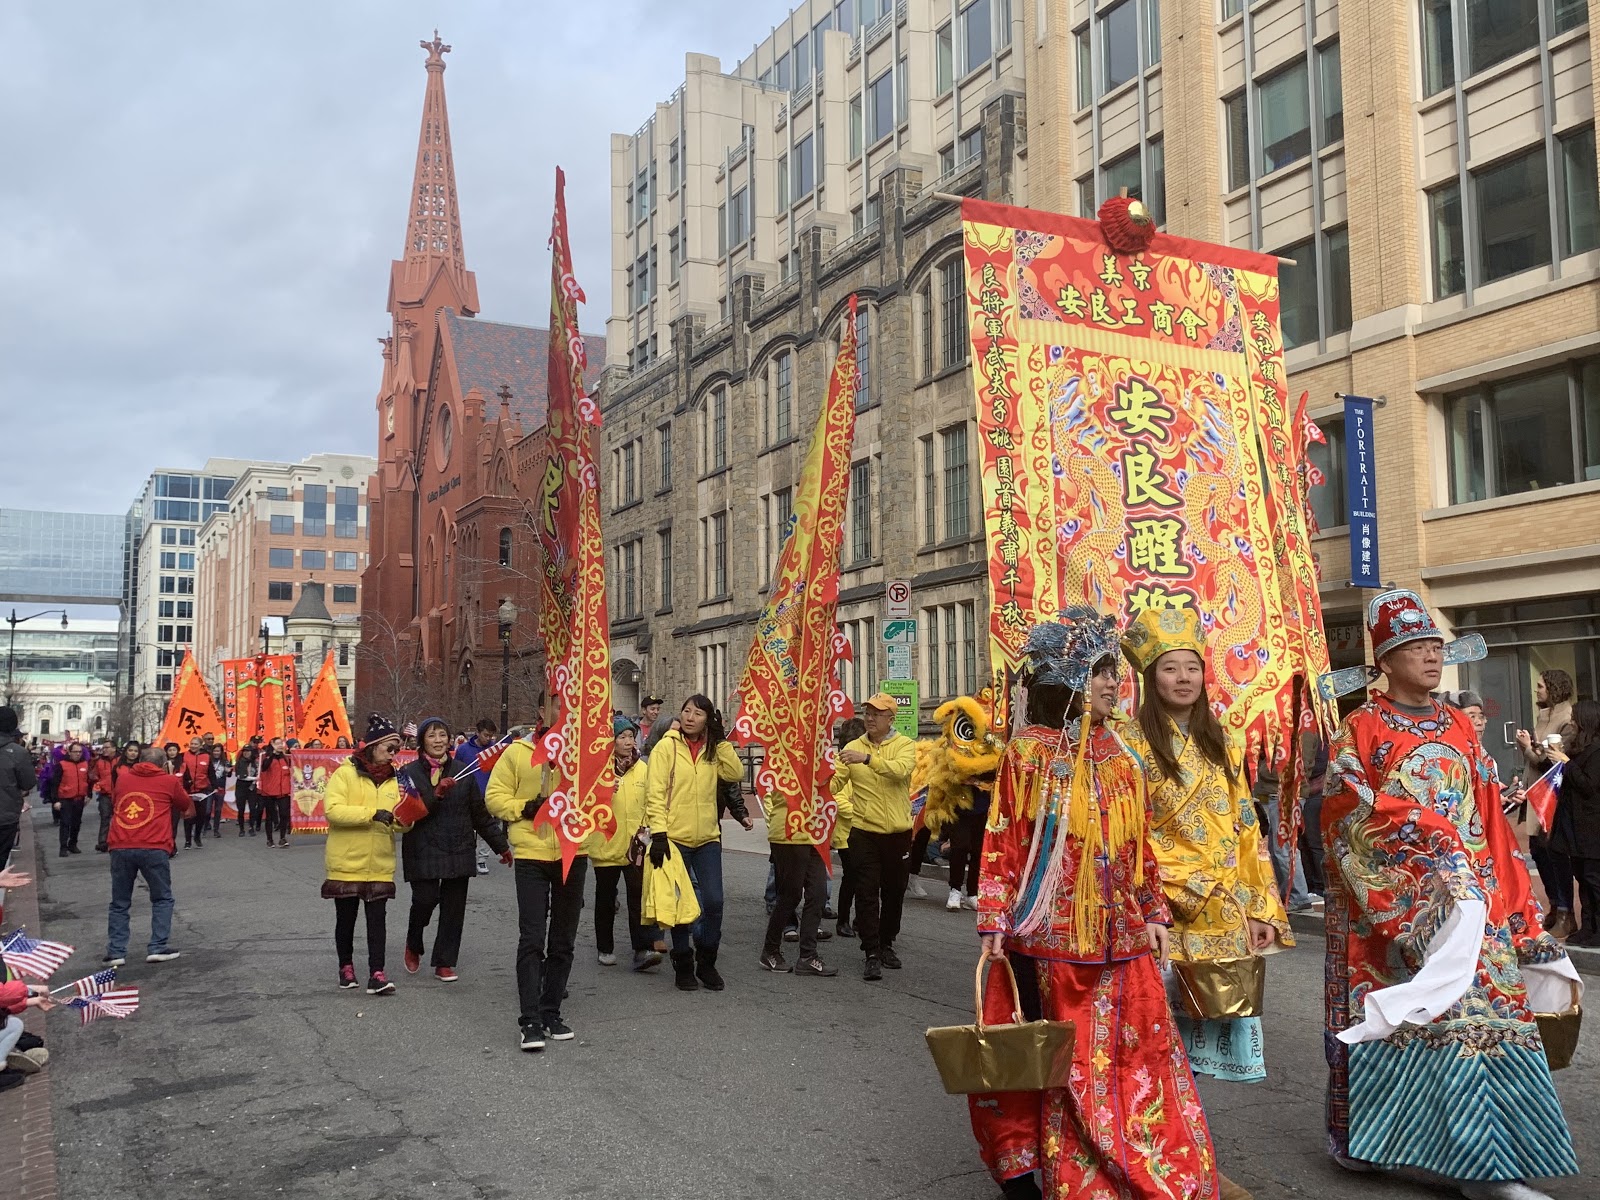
[1576, 829]
[16, 778]
[443, 845]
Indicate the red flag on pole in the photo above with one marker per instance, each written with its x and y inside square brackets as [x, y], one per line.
[572, 612]
[192, 712]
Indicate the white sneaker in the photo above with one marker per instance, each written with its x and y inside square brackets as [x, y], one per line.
[953, 903]
[608, 960]
[1501, 1189]
[917, 890]
[970, 902]
[161, 956]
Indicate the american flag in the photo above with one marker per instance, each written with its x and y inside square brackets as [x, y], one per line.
[120, 1003]
[90, 985]
[409, 730]
[485, 760]
[37, 958]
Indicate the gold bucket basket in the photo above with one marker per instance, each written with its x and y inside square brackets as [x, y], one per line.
[1022, 1056]
[1221, 988]
[1559, 1032]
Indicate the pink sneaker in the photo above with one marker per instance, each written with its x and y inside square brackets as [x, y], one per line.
[445, 974]
[347, 976]
[379, 985]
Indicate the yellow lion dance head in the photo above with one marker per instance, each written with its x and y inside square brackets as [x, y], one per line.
[965, 756]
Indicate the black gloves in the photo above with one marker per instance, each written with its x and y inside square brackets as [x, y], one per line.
[658, 849]
[530, 810]
[383, 816]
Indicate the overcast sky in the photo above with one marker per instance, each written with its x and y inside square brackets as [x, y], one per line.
[200, 202]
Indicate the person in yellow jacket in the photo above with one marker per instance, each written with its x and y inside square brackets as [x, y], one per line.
[847, 732]
[685, 768]
[548, 905]
[610, 858]
[880, 765]
[1215, 868]
[359, 804]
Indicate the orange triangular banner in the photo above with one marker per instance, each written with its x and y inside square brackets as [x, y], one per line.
[192, 712]
[325, 719]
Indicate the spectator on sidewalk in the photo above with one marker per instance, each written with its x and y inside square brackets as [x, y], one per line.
[141, 844]
[359, 804]
[74, 783]
[17, 779]
[1577, 819]
[1297, 896]
[649, 714]
[16, 997]
[1553, 695]
[880, 765]
[274, 783]
[611, 865]
[437, 853]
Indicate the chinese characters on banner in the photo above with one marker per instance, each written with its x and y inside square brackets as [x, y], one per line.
[1136, 449]
[1363, 493]
[260, 695]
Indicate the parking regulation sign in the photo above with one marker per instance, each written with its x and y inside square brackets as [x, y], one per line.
[897, 598]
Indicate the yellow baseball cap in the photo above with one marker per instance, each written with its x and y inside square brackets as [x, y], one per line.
[883, 701]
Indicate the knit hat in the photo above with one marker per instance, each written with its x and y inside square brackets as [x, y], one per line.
[379, 729]
[422, 726]
[8, 719]
[620, 723]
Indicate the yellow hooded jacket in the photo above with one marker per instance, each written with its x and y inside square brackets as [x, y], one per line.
[359, 849]
[683, 790]
[778, 818]
[514, 781]
[627, 803]
[880, 790]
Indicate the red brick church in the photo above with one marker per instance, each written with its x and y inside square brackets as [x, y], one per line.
[461, 413]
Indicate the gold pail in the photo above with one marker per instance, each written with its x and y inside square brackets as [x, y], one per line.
[1559, 1033]
[1221, 988]
[1022, 1056]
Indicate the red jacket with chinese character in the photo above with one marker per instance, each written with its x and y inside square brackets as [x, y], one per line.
[74, 781]
[1031, 801]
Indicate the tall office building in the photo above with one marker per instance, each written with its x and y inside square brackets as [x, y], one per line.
[60, 556]
[1445, 233]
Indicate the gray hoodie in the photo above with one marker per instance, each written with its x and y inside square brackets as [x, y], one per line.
[16, 778]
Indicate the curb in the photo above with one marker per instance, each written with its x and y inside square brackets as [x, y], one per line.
[27, 1127]
[1585, 960]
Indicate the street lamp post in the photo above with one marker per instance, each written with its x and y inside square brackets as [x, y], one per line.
[507, 614]
[11, 654]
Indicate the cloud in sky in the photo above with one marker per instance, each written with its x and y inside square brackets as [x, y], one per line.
[201, 201]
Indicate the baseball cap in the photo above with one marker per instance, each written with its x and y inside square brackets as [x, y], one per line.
[882, 700]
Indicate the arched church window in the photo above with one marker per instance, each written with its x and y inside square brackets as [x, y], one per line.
[505, 547]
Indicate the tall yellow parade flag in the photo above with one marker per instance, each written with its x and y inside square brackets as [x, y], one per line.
[789, 695]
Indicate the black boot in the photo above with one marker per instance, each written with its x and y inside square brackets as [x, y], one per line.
[1022, 1187]
[706, 968]
[683, 969]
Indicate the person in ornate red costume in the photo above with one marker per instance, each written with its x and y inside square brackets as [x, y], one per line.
[1070, 893]
[1437, 958]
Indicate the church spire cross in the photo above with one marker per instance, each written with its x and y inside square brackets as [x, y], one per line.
[433, 229]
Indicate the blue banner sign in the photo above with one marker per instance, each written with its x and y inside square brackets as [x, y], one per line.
[1361, 488]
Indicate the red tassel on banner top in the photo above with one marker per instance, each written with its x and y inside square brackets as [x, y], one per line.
[1126, 224]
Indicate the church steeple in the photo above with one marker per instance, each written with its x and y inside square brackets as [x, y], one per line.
[433, 225]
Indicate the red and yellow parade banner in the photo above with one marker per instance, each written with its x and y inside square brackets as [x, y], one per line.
[260, 695]
[191, 712]
[572, 610]
[324, 719]
[1137, 452]
[309, 771]
[789, 695]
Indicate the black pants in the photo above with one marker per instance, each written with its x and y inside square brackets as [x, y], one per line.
[547, 925]
[799, 872]
[195, 825]
[883, 864]
[258, 805]
[919, 851]
[449, 896]
[71, 822]
[344, 930]
[1588, 872]
[846, 899]
[1555, 870]
[8, 839]
[277, 815]
[216, 814]
[966, 850]
[605, 908]
[244, 795]
[103, 803]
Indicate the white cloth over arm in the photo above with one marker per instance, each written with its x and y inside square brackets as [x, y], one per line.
[1553, 987]
[1448, 967]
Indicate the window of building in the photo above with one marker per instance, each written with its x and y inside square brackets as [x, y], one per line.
[944, 60]
[344, 593]
[1080, 42]
[674, 255]
[279, 590]
[739, 218]
[163, 633]
[167, 658]
[504, 559]
[977, 42]
[282, 525]
[628, 579]
[186, 537]
[163, 684]
[314, 509]
[1580, 202]
[880, 108]
[277, 493]
[1337, 301]
[1523, 435]
[844, 16]
[859, 676]
[1569, 14]
[1297, 295]
[1449, 246]
[674, 167]
[1329, 503]
[74, 712]
[970, 148]
[950, 659]
[780, 72]
[716, 575]
[185, 561]
[902, 92]
[1119, 46]
[1330, 93]
[344, 655]
[926, 314]
[169, 560]
[185, 610]
[1438, 46]
[165, 608]
[664, 453]
[1122, 173]
[169, 537]
[802, 59]
[169, 584]
[185, 585]
[630, 478]
[1232, 8]
[783, 180]
[346, 512]
[714, 672]
[781, 509]
[952, 312]
[1285, 115]
[855, 126]
[861, 511]
[930, 495]
[184, 633]
[722, 231]
[664, 574]
[957, 488]
[1497, 29]
[1235, 119]
[863, 359]
[782, 398]
[1152, 32]
[1513, 213]
[280, 556]
[344, 560]
[805, 169]
[1156, 201]
[714, 432]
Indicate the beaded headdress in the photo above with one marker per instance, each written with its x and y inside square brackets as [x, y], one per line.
[1064, 653]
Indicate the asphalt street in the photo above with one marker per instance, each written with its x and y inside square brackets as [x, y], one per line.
[247, 1073]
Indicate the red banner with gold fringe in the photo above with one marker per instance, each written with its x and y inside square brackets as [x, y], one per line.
[572, 611]
[789, 695]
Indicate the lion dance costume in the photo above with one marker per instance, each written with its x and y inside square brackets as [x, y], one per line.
[956, 770]
[1070, 879]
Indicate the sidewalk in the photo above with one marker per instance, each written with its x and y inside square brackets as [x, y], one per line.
[28, 1168]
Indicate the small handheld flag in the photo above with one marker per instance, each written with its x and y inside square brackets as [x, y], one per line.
[40, 959]
[120, 1003]
[1542, 795]
[89, 985]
